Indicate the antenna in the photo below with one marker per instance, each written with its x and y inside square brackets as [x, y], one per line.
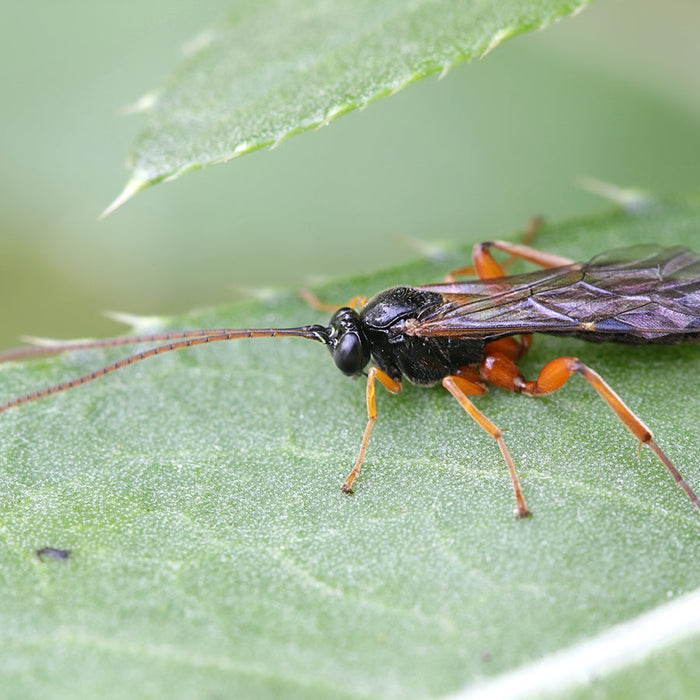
[179, 340]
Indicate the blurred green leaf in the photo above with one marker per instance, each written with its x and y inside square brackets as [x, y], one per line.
[213, 552]
[271, 70]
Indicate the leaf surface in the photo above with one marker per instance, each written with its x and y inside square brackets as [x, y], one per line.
[270, 70]
[213, 552]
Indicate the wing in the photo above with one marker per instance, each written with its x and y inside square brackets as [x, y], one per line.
[638, 294]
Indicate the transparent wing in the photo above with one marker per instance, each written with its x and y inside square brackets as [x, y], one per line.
[637, 294]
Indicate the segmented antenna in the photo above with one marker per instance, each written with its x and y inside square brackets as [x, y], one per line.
[54, 347]
[182, 339]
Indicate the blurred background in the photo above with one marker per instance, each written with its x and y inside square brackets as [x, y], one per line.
[613, 93]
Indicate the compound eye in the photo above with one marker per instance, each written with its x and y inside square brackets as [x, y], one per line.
[349, 354]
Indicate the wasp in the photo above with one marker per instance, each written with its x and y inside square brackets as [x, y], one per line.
[466, 335]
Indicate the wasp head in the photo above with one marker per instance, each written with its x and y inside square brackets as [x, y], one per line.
[347, 342]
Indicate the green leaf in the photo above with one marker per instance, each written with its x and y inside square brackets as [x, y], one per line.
[271, 70]
[213, 553]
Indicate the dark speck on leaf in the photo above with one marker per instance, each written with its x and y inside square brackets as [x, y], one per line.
[52, 553]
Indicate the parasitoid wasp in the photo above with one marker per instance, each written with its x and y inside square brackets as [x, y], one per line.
[467, 334]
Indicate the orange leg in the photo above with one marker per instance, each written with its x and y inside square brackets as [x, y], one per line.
[314, 302]
[514, 349]
[461, 387]
[486, 267]
[391, 385]
[499, 370]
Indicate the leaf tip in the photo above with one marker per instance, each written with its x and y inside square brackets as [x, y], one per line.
[403, 83]
[256, 293]
[580, 8]
[132, 187]
[135, 321]
[498, 38]
[432, 250]
[40, 342]
[143, 104]
[200, 42]
[447, 67]
[632, 200]
[242, 148]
